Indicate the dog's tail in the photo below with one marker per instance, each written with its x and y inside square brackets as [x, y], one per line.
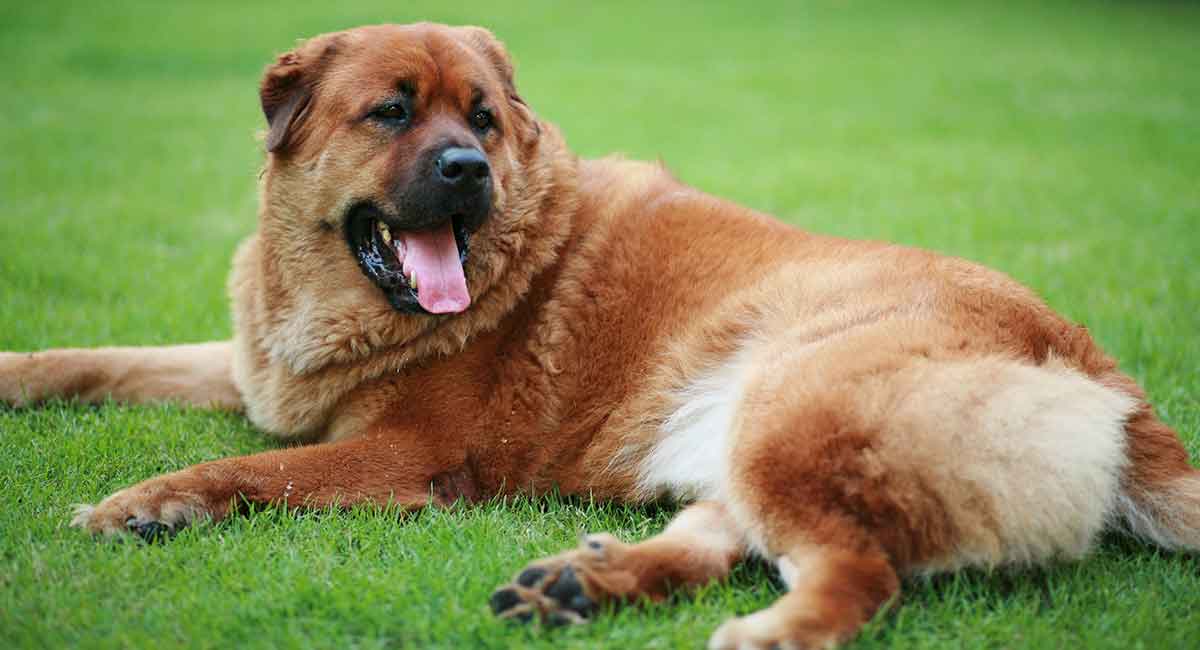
[200, 375]
[1160, 496]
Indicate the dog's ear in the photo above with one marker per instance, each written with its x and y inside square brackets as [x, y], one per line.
[287, 87]
[493, 50]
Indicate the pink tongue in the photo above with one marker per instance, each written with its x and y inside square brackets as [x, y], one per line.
[433, 255]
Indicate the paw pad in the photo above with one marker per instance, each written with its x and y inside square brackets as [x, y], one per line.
[560, 598]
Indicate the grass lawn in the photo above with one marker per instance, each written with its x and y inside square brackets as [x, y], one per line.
[1058, 141]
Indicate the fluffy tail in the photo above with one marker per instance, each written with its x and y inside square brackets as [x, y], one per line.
[199, 374]
[1160, 500]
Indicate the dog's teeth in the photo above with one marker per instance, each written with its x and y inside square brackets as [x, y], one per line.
[384, 232]
[412, 279]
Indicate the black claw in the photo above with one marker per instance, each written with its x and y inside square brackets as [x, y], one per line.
[558, 619]
[530, 577]
[151, 531]
[503, 600]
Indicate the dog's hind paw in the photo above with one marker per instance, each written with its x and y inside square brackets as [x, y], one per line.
[569, 588]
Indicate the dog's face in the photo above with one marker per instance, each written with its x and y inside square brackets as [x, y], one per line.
[393, 148]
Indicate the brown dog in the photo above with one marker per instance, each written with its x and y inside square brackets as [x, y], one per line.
[452, 305]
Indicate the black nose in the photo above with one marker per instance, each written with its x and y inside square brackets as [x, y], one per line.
[462, 167]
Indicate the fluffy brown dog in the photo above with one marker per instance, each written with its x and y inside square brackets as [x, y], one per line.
[450, 304]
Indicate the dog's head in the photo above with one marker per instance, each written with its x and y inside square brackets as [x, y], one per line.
[403, 171]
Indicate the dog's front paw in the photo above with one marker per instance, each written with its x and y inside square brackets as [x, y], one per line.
[152, 510]
[570, 587]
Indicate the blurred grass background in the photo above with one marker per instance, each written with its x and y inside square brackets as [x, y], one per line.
[1057, 141]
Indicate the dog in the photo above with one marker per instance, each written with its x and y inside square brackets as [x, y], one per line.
[448, 304]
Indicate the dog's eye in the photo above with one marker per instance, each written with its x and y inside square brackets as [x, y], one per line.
[482, 119]
[390, 112]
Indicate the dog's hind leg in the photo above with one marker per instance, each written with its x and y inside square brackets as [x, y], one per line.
[872, 457]
[832, 591]
[199, 375]
[701, 544]
[810, 496]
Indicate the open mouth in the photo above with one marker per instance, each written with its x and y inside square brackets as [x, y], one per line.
[420, 271]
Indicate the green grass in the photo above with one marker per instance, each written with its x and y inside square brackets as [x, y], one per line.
[1058, 141]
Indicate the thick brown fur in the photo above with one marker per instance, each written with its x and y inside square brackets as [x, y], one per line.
[864, 410]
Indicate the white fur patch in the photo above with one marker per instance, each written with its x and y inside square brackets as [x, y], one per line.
[691, 459]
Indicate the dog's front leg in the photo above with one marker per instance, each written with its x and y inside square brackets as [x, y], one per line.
[198, 374]
[376, 468]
